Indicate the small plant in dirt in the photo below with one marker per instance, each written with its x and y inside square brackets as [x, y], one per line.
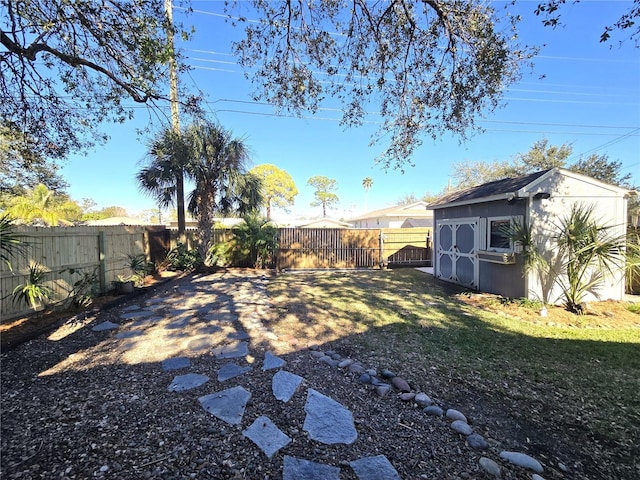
[34, 291]
[584, 253]
[83, 290]
[182, 258]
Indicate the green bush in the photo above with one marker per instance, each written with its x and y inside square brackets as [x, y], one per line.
[34, 291]
[182, 258]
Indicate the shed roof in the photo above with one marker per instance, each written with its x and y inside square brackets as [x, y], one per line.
[417, 209]
[509, 188]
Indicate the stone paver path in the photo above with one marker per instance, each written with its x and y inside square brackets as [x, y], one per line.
[221, 316]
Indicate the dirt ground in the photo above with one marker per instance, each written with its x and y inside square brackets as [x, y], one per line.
[605, 314]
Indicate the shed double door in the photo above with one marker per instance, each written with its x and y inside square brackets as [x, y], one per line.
[456, 251]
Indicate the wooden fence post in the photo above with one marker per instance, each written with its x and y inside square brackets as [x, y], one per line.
[102, 256]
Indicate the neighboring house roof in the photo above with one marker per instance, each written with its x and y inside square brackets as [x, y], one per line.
[325, 223]
[417, 209]
[509, 188]
[117, 221]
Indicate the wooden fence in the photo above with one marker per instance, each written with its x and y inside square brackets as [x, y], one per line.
[102, 250]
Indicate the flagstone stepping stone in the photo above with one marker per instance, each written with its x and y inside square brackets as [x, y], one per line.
[264, 433]
[271, 361]
[134, 315]
[227, 405]
[239, 335]
[374, 468]
[178, 323]
[208, 330]
[522, 460]
[284, 385]
[101, 327]
[176, 363]
[297, 469]
[188, 381]
[224, 317]
[328, 421]
[130, 334]
[132, 307]
[144, 322]
[233, 350]
[231, 370]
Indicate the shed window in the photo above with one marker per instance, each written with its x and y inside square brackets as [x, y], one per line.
[497, 234]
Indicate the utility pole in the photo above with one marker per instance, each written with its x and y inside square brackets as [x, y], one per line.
[175, 115]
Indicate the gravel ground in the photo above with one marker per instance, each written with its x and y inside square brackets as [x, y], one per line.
[81, 404]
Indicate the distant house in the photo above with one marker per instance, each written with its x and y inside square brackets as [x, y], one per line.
[117, 221]
[471, 249]
[325, 223]
[399, 216]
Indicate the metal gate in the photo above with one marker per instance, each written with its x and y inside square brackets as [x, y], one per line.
[456, 251]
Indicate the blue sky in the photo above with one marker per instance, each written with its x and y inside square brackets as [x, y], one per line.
[581, 92]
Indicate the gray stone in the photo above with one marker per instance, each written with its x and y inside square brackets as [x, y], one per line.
[433, 410]
[327, 421]
[176, 363]
[227, 405]
[461, 427]
[422, 399]
[364, 378]
[187, 382]
[456, 415]
[329, 361]
[387, 373]
[345, 363]
[407, 396]
[372, 372]
[299, 469]
[284, 385]
[231, 370]
[374, 468]
[401, 384]
[535, 476]
[178, 323]
[271, 361]
[101, 327]
[356, 368]
[522, 460]
[376, 382]
[233, 350]
[382, 390]
[489, 466]
[239, 335]
[477, 441]
[336, 356]
[221, 317]
[131, 308]
[317, 354]
[266, 435]
[134, 315]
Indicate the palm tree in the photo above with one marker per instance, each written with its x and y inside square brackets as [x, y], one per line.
[218, 169]
[42, 204]
[367, 183]
[163, 177]
[584, 254]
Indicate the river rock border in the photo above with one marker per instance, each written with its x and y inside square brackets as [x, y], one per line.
[384, 381]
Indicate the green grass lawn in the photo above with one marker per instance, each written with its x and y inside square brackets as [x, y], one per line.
[573, 384]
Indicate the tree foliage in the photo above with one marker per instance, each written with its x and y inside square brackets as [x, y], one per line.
[279, 188]
[324, 194]
[551, 13]
[218, 168]
[43, 205]
[541, 156]
[25, 162]
[68, 65]
[436, 66]
[162, 178]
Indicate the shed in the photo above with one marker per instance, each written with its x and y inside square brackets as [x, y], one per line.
[471, 248]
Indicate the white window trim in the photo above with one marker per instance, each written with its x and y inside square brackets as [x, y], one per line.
[487, 245]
